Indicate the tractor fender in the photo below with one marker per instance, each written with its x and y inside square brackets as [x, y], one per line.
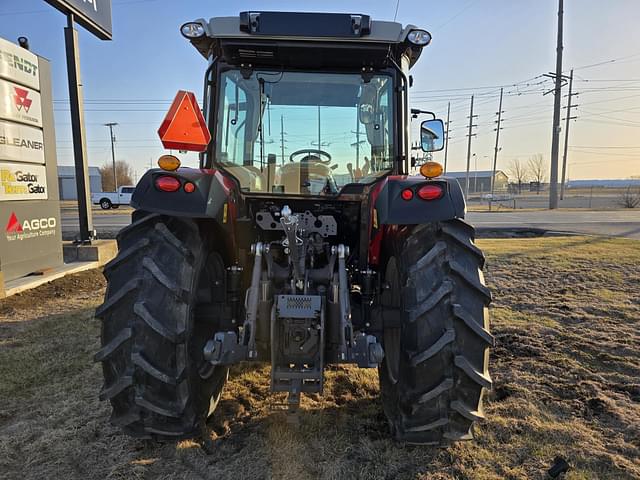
[392, 209]
[212, 197]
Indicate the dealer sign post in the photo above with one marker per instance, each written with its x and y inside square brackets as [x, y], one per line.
[95, 16]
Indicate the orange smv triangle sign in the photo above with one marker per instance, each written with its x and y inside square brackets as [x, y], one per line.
[184, 127]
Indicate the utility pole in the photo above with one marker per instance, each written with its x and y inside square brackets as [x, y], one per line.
[113, 154]
[495, 150]
[566, 134]
[470, 134]
[555, 139]
[282, 137]
[357, 142]
[446, 136]
[319, 136]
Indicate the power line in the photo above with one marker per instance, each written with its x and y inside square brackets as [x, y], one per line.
[605, 62]
[456, 15]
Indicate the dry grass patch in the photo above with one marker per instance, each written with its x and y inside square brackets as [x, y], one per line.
[566, 317]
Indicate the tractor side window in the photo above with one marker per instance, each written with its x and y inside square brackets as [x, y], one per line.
[236, 132]
[231, 130]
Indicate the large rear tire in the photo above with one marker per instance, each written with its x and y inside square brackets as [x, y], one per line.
[435, 369]
[155, 375]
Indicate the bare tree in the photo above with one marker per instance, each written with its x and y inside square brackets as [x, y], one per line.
[124, 174]
[518, 171]
[630, 198]
[537, 167]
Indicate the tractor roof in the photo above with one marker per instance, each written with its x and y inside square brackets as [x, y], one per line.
[286, 38]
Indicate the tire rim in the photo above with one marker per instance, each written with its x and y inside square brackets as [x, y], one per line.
[105, 205]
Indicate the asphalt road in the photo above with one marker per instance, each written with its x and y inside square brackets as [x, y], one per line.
[620, 223]
[623, 223]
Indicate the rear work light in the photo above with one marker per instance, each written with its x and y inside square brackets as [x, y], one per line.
[419, 37]
[407, 194]
[430, 192]
[192, 30]
[167, 183]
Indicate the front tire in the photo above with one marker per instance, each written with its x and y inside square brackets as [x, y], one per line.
[155, 375]
[435, 370]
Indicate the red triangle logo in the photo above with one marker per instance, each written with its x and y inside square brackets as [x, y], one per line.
[184, 127]
[13, 225]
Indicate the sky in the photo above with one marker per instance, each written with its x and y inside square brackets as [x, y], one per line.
[478, 46]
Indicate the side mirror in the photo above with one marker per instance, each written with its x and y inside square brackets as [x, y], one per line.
[432, 135]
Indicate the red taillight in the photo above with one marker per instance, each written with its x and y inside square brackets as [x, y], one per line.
[189, 187]
[430, 192]
[167, 183]
[407, 194]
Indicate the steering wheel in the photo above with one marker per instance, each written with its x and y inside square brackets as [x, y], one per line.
[310, 151]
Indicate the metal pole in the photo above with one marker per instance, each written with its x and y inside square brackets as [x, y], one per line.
[282, 137]
[113, 155]
[555, 139]
[357, 143]
[76, 104]
[495, 150]
[319, 144]
[466, 189]
[566, 136]
[446, 137]
[475, 173]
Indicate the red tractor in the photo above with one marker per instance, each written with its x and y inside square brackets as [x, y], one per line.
[302, 240]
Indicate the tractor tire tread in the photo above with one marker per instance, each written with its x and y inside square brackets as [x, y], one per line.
[150, 376]
[436, 396]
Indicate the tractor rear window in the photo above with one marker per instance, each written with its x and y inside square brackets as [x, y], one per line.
[304, 133]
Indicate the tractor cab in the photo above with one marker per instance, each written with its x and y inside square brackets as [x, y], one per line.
[305, 104]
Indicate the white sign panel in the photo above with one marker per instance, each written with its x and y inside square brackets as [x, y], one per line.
[20, 104]
[20, 143]
[19, 65]
[22, 182]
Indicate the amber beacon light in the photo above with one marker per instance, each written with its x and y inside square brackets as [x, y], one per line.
[431, 170]
[169, 163]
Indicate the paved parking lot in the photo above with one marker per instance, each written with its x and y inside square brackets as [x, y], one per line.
[621, 223]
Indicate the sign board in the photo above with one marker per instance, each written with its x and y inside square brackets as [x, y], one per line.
[21, 143]
[94, 15]
[20, 181]
[23, 227]
[28, 236]
[20, 104]
[18, 65]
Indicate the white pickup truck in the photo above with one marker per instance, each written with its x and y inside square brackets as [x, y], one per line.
[108, 200]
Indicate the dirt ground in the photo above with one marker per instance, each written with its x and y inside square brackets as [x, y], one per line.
[566, 370]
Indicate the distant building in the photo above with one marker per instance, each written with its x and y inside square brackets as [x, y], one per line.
[67, 181]
[622, 183]
[480, 181]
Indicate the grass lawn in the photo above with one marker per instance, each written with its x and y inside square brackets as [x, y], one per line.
[566, 370]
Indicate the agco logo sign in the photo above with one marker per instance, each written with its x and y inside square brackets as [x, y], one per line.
[30, 228]
[20, 99]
